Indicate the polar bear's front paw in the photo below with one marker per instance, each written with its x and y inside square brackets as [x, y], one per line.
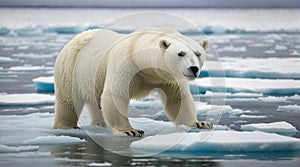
[132, 132]
[203, 125]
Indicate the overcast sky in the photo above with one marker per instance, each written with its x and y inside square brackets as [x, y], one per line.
[154, 3]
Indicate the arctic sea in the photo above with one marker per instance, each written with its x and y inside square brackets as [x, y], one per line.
[249, 87]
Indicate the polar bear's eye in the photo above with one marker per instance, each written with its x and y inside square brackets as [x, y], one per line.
[197, 53]
[181, 54]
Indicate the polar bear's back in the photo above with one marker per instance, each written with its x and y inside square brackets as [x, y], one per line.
[91, 61]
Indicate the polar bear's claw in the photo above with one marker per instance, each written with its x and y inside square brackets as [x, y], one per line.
[203, 125]
[133, 133]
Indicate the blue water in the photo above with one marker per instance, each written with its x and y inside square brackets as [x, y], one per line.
[26, 43]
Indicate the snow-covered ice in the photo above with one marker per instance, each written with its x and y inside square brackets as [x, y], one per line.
[26, 99]
[253, 68]
[283, 128]
[232, 49]
[30, 68]
[54, 140]
[33, 55]
[94, 164]
[13, 149]
[217, 141]
[5, 59]
[247, 85]
[252, 116]
[289, 108]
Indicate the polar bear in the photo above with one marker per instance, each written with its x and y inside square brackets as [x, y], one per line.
[104, 70]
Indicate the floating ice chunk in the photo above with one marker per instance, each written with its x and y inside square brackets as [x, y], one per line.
[28, 32]
[30, 68]
[5, 59]
[99, 164]
[4, 31]
[268, 99]
[270, 51]
[217, 141]
[52, 140]
[26, 99]
[12, 149]
[252, 116]
[240, 122]
[231, 48]
[280, 47]
[204, 109]
[230, 95]
[294, 98]
[253, 68]
[235, 85]
[289, 108]
[153, 127]
[275, 127]
[33, 55]
[44, 84]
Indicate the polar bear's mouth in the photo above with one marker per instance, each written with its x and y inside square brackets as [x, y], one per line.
[189, 76]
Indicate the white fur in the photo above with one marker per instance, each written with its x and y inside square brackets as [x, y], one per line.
[104, 70]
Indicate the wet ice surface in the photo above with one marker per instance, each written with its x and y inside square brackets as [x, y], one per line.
[259, 96]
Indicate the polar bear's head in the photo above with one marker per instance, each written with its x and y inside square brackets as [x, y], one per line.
[184, 59]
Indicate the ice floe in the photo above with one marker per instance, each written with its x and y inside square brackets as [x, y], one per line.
[44, 84]
[236, 85]
[99, 164]
[232, 49]
[13, 149]
[289, 108]
[29, 68]
[53, 140]
[252, 116]
[217, 141]
[33, 55]
[206, 109]
[274, 127]
[267, 99]
[26, 99]
[5, 59]
[253, 68]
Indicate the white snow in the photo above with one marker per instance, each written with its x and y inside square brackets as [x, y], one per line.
[254, 67]
[247, 85]
[289, 108]
[13, 149]
[216, 141]
[26, 99]
[94, 164]
[275, 127]
[53, 140]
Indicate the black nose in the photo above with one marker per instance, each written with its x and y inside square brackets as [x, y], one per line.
[194, 69]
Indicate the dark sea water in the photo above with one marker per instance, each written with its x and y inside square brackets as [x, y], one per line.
[30, 40]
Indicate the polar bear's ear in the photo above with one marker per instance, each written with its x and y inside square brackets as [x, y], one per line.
[205, 44]
[164, 44]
